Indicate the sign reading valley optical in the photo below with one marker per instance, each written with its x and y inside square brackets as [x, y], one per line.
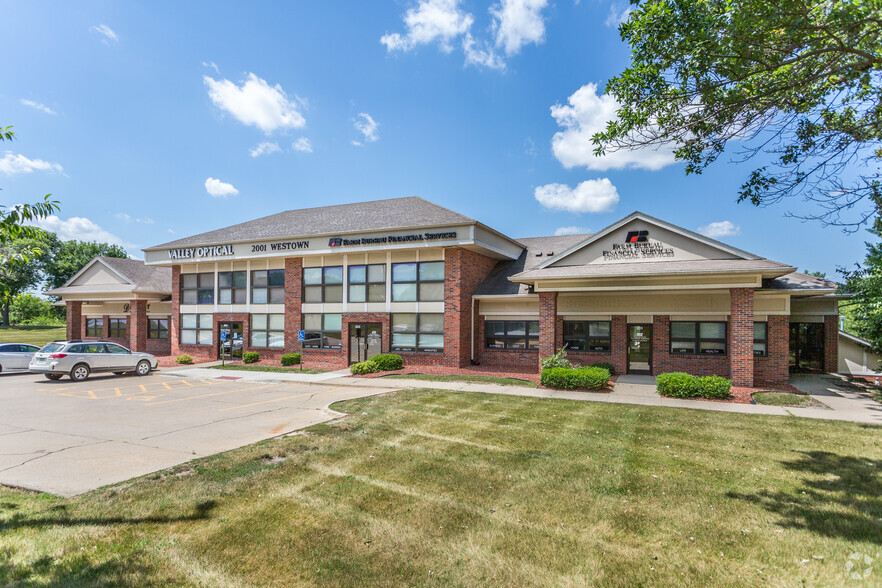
[415, 237]
[638, 246]
[212, 251]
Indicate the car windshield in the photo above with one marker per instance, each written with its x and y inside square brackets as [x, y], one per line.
[52, 347]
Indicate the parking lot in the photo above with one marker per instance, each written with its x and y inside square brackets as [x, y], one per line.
[68, 438]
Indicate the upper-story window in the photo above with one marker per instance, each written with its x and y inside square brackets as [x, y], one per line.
[231, 288]
[268, 286]
[367, 283]
[197, 288]
[423, 281]
[323, 284]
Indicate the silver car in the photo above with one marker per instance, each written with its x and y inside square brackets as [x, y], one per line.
[16, 356]
[78, 359]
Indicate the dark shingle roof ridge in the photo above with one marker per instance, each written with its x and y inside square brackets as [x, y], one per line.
[141, 275]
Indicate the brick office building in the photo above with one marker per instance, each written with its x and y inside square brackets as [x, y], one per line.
[411, 277]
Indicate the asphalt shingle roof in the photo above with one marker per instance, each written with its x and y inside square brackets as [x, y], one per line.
[799, 281]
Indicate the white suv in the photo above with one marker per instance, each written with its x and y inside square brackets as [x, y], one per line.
[79, 358]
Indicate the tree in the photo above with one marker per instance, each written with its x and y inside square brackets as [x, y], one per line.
[21, 275]
[799, 80]
[30, 309]
[864, 283]
[66, 258]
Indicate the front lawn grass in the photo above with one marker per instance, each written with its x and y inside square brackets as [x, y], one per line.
[36, 335]
[782, 399]
[267, 368]
[429, 487]
[466, 378]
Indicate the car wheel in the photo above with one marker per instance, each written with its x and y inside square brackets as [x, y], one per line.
[53, 376]
[79, 372]
[143, 368]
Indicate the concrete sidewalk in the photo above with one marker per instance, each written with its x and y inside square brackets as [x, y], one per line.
[252, 376]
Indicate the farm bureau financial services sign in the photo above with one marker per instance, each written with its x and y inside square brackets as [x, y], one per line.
[624, 251]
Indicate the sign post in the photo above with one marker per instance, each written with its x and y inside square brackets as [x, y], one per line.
[223, 338]
[301, 336]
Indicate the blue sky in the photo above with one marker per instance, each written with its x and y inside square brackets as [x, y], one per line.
[152, 121]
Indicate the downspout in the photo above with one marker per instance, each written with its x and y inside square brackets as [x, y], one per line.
[472, 354]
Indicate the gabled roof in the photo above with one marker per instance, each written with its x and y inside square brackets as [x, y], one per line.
[135, 277]
[358, 217]
[637, 215]
[654, 268]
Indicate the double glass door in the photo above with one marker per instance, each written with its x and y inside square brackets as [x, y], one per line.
[230, 341]
[806, 347]
[365, 341]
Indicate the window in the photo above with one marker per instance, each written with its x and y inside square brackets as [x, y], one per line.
[322, 331]
[367, 283]
[94, 327]
[423, 281]
[418, 332]
[157, 328]
[511, 334]
[323, 284]
[587, 335]
[695, 338]
[197, 288]
[760, 339]
[267, 330]
[119, 327]
[118, 349]
[196, 329]
[268, 286]
[231, 288]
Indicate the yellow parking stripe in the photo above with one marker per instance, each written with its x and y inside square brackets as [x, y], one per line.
[209, 395]
[277, 400]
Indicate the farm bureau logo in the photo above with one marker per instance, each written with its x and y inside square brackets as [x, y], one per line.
[637, 237]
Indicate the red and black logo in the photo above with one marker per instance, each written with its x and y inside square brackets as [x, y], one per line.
[335, 241]
[637, 237]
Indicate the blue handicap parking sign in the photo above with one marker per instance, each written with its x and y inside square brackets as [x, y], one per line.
[223, 336]
[301, 335]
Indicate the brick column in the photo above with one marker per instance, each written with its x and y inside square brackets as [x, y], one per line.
[174, 323]
[741, 337]
[74, 319]
[464, 271]
[138, 325]
[293, 301]
[831, 343]
[105, 327]
[547, 323]
[619, 343]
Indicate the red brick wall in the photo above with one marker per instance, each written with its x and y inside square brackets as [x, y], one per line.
[464, 271]
[293, 310]
[385, 320]
[774, 368]
[504, 359]
[159, 347]
[549, 330]
[740, 347]
[74, 319]
[663, 361]
[831, 343]
[137, 324]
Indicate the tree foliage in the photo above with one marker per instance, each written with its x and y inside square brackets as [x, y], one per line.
[864, 283]
[797, 79]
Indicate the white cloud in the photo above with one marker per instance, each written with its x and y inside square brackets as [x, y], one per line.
[518, 22]
[219, 189]
[480, 54]
[123, 217]
[38, 106]
[13, 163]
[212, 65]
[302, 144]
[571, 231]
[256, 103]
[145, 220]
[586, 114]
[367, 126]
[430, 21]
[589, 196]
[720, 229]
[617, 14]
[79, 228]
[108, 33]
[264, 149]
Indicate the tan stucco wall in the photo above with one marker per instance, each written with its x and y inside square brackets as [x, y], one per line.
[856, 359]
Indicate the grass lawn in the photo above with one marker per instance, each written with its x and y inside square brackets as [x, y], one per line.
[33, 335]
[439, 488]
[782, 399]
[267, 368]
[466, 378]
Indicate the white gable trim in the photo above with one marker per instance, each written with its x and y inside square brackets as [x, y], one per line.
[90, 264]
[637, 215]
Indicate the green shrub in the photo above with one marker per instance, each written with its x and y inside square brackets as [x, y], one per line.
[677, 385]
[388, 362]
[184, 359]
[586, 378]
[714, 387]
[607, 366]
[290, 359]
[365, 367]
[558, 360]
[250, 357]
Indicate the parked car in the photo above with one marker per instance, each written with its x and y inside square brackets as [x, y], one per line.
[16, 356]
[78, 359]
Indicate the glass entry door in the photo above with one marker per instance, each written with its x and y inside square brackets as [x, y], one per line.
[230, 341]
[365, 341]
[807, 347]
[639, 349]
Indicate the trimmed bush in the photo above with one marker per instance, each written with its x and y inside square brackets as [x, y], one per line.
[680, 385]
[250, 357]
[388, 362]
[587, 378]
[290, 359]
[714, 387]
[365, 367]
[558, 360]
[607, 366]
[184, 359]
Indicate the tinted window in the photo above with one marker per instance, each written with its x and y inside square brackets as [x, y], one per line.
[52, 348]
[7, 348]
[116, 349]
[30, 348]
